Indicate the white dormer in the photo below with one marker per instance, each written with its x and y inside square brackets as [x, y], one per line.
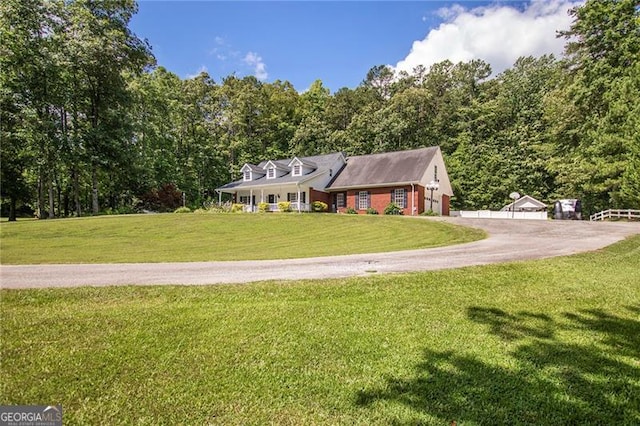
[251, 172]
[300, 167]
[275, 169]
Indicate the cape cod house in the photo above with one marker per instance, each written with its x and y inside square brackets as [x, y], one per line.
[415, 180]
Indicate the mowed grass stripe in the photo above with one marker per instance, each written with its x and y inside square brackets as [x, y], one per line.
[218, 237]
[552, 341]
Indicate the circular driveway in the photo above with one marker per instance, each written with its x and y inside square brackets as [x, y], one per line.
[509, 240]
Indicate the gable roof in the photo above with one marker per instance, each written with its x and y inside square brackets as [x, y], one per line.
[383, 169]
[323, 163]
[525, 203]
[275, 164]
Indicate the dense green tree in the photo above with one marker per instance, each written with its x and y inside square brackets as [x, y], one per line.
[602, 50]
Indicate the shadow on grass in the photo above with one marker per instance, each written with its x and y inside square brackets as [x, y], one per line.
[589, 375]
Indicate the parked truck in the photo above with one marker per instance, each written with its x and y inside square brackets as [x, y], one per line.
[567, 209]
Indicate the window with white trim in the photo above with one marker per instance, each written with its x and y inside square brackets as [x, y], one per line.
[245, 199]
[297, 170]
[363, 200]
[247, 175]
[293, 197]
[271, 172]
[399, 197]
[340, 200]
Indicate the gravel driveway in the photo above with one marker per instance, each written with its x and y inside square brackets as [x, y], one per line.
[509, 240]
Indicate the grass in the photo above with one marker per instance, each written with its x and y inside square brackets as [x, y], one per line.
[209, 237]
[545, 342]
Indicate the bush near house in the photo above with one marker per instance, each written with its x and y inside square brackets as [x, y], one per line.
[182, 210]
[392, 208]
[371, 210]
[351, 210]
[319, 206]
[284, 206]
[263, 207]
[237, 208]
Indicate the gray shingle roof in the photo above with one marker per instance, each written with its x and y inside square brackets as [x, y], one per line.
[387, 168]
[322, 162]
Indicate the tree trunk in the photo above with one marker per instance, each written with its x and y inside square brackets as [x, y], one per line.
[51, 198]
[12, 209]
[95, 206]
[41, 211]
[76, 192]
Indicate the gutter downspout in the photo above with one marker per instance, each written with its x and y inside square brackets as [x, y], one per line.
[298, 186]
[413, 208]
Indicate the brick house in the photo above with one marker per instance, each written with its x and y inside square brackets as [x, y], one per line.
[403, 177]
[415, 180]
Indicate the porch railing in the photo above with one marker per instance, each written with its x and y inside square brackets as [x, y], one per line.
[273, 207]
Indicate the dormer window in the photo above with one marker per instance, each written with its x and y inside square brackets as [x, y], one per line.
[271, 173]
[297, 170]
[247, 175]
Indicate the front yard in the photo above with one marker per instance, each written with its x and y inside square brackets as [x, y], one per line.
[546, 342]
[210, 237]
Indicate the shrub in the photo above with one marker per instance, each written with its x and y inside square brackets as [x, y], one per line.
[237, 208]
[284, 206]
[392, 208]
[429, 213]
[263, 207]
[163, 199]
[182, 210]
[371, 210]
[351, 210]
[319, 206]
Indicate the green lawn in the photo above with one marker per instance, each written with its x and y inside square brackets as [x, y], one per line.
[548, 342]
[208, 237]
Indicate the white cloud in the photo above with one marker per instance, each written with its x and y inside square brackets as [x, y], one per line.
[497, 34]
[202, 69]
[259, 67]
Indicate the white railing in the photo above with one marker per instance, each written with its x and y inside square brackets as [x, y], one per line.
[616, 214]
[273, 207]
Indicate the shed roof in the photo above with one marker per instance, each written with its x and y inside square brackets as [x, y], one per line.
[525, 203]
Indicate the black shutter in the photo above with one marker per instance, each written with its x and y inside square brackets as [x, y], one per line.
[288, 196]
[405, 199]
[368, 199]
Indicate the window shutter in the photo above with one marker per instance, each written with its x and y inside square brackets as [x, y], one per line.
[392, 195]
[405, 199]
[288, 196]
[368, 199]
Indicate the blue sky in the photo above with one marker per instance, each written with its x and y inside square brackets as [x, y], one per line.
[338, 42]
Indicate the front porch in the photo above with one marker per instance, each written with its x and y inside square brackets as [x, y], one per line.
[273, 207]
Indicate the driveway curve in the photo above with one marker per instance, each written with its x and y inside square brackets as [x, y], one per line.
[509, 240]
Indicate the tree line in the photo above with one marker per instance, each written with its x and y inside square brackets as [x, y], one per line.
[91, 125]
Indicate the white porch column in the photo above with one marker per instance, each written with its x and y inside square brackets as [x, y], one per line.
[298, 199]
[251, 200]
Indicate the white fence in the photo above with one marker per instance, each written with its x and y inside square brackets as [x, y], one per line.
[616, 214]
[491, 214]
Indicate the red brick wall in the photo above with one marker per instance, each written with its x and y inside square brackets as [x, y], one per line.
[381, 197]
[315, 195]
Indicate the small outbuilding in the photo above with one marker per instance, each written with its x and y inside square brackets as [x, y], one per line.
[525, 203]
